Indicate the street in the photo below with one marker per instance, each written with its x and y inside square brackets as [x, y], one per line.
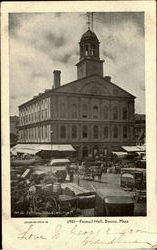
[110, 180]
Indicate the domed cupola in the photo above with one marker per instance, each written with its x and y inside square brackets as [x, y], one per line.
[89, 35]
[89, 62]
[89, 45]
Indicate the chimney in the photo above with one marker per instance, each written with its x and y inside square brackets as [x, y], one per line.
[108, 78]
[56, 75]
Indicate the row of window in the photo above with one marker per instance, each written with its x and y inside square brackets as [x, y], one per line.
[39, 114]
[95, 112]
[95, 132]
[35, 117]
[42, 132]
[35, 112]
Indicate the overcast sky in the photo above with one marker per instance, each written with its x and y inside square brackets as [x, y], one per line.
[42, 42]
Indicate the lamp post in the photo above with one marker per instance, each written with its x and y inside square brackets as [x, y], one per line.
[51, 133]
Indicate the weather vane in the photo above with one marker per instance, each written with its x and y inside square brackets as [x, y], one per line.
[90, 20]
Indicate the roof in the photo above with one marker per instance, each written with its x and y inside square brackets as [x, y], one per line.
[35, 148]
[112, 192]
[54, 161]
[133, 169]
[120, 153]
[134, 148]
[89, 35]
[78, 81]
[79, 191]
[56, 90]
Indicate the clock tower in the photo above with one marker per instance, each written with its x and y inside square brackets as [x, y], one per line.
[89, 62]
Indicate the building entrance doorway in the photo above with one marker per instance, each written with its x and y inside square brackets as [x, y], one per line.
[95, 151]
[85, 151]
[105, 151]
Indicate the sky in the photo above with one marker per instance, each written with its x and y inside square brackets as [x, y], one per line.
[40, 43]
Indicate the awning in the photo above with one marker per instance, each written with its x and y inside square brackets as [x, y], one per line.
[26, 151]
[134, 148]
[56, 161]
[120, 153]
[127, 175]
[35, 148]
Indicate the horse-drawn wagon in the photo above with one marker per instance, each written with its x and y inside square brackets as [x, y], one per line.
[90, 170]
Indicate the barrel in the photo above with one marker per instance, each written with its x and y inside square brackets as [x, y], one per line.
[57, 188]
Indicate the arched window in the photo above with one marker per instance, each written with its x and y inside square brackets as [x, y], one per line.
[81, 50]
[105, 151]
[74, 131]
[124, 113]
[93, 50]
[105, 132]
[87, 50]
[62, 110]
[115, 113]
[74, 111]
[95, 112]
[115, 132]
[63, 132]
[95, 132]
[95, 150]
[84, 132]
[84, 111]
[105, 112]
[125, 132]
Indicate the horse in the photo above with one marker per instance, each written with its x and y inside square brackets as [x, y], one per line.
[97, 171]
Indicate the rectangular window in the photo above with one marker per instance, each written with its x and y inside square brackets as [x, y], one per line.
[45, 113]
[46, 128]
[39, 132]
[36, 132]
[42, 132]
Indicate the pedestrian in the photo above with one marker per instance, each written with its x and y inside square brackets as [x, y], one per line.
[67, 173]
[71, 173]
[100, 172]
[77, 178]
